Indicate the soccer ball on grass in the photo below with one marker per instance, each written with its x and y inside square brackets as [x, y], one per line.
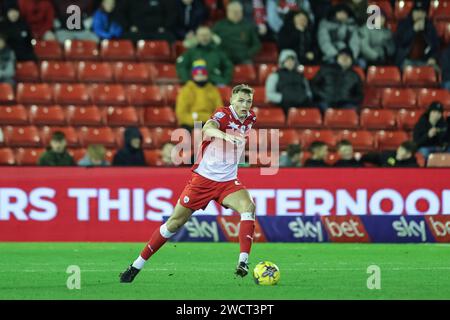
[266, 273]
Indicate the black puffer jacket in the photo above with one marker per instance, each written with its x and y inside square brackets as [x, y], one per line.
[422, 127]
[129, 156]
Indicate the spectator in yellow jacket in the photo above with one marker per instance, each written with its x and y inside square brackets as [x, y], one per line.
[198, 98]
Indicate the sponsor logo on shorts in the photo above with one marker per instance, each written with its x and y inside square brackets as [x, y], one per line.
[186, 199]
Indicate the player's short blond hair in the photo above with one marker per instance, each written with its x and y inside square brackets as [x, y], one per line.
[242, 88]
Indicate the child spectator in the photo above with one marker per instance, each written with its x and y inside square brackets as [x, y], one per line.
[278, 10]
[198, 98]
[403, 157]
[239, 39]
[319, 153]
[104, 25]
[430, 132]
[203, 46]
[287, 87]
[95, 156]
[190, 15]
[39, 15]
[131, 154]
[346, 155]
[7, 62]
[292, 157]
[56, 154]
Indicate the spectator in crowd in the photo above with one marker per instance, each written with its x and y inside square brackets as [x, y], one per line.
[131, 154]
[239, 39]
[404, 157]
[445, 68]
[255, 14]
[338, 31]
[166, 154]
[151, 20]
[104, 24]
[349, 92]
[430, 132]
[417, 39]
[39, 15]
[319, 153]
[292, 157]
[297, 34]
[359, 9]
[56, 154]
[67, 27]
[190, 15]
[204, 46]
[7, 62]
[278, 10]
[320, 9]
[95, 156]
[18, 33]
[346, 155]
[377, 45]
[287, 87]
[198, 98]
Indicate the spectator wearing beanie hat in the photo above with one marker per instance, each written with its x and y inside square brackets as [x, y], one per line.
[198, 98]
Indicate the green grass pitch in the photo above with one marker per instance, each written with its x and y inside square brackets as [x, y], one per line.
[205, 271]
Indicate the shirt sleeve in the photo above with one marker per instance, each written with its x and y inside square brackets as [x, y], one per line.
[219, 116]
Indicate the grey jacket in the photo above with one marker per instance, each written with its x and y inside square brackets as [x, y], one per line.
[334, 36]
[376, 44]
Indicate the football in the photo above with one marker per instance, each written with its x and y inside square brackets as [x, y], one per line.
[266, 273]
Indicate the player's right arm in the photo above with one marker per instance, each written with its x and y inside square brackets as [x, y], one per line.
[211, 130]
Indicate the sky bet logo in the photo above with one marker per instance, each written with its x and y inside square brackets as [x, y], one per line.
[306, 230]
[411, 229]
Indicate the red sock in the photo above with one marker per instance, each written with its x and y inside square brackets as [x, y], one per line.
[156, 242]
[246, 230]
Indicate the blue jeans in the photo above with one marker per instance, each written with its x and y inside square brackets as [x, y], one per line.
[426, 151]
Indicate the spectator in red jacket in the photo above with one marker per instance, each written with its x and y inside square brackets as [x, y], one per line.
[39, 14]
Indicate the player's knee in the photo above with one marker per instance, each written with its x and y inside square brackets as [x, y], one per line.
[247, 206]
[174, 224]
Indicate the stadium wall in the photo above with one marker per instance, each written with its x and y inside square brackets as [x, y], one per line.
[296, 205]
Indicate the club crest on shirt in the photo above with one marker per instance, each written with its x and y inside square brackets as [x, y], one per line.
[219, 115]
[186, 199]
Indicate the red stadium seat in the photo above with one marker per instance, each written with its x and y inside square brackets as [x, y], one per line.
[341, 119]
[6, 93]
[420, 76]
[439, 160]
[264, 70]
[47, 50]
[69, 132]
[310, 71]
[259, 96]
[95, 72]
[402, 8]
[26, 136]
[117, 50]
[398, 98]
[104, 94]
[225, 93]
[77, 154]
[153, 50]
[163, 73]
[141, 95]
[153, 157]
[407, 119]
[287, 137]
[84, 116]
[360, 72]
[327, 136]
[372, 97]
[13, 115]
[160, 136]
[304, 118]
[361, 140]
[440, 9]
[28, 156]
[426, 96]
[443, 30]
[170, 94]
[96, 135]
[390, 140]
[27, 71]
[129, 72]
[47, 115]
[57, 71]
[80, 50]
[269, 117]
[383, 76]
[122, 116]
[76, 93]
[34, 93]
[7, 157]
[162, 116]
[268, 53]
[244, 73]
[179, 48]
[377, 119]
